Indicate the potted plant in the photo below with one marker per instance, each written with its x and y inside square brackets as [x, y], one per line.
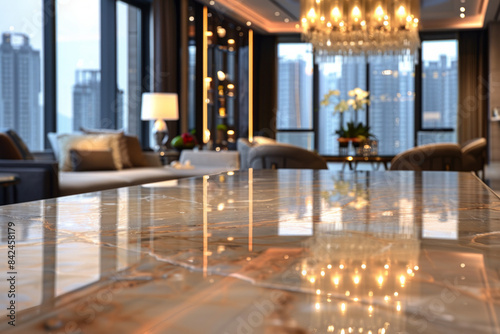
[356, 133]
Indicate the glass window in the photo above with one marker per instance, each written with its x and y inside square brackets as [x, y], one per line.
[439, 91]
[392, 103]
[295, 84]
[78, 65]
[128, 32]
[21, 70]
[390, 114]
[343, 76]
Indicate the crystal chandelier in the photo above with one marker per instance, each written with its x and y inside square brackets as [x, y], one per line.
[360, 27]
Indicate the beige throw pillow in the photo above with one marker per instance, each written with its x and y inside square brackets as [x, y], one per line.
[82, 161]
[67, 142]
[122, 143]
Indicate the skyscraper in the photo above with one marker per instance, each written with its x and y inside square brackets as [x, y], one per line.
[20, 88]
[87, 100]
[439, 100]
[294, 97]
[392, 104]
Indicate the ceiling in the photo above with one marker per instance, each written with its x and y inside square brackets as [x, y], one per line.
[282, 16]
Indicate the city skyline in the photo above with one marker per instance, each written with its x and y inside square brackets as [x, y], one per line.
[391, 113]
[20, 88]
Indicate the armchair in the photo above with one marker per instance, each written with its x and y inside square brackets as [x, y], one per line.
[431, 157]
[274, 156]
[474, 155]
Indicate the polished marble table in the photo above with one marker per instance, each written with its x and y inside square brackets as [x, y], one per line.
[258, 252]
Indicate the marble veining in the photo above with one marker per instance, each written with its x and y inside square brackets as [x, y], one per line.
[288, 251]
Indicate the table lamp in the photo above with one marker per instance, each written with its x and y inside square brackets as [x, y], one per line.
[160, 107]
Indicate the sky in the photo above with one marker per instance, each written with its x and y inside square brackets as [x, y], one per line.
[432, 50]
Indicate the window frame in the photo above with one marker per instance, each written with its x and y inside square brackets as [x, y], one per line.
[428, 36]
[296, 39]
[108, 57]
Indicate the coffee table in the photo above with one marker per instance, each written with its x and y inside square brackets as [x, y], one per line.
[355, 159]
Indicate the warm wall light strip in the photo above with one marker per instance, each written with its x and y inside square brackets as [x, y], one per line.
[250, 209]
[205, 75]
[250, 85]
[205, 225]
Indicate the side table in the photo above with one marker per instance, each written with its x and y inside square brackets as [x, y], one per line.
[350, 159]
[9, 181]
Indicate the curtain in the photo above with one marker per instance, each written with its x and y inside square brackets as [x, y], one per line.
[166, 46]
[473, 85]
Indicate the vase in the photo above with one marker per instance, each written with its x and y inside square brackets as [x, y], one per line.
[356, 144]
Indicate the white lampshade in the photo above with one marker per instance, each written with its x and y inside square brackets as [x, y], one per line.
[163, 106]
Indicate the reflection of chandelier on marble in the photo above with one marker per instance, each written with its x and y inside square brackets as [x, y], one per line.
[360, 27]
[360, 285]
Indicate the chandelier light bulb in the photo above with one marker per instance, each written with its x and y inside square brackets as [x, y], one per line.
[379, 13]
[401, 11]
[356, 13]
[311, 15]
[336, 14]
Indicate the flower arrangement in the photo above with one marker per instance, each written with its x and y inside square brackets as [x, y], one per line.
[185, 141]
[360, 98]
[354, 131]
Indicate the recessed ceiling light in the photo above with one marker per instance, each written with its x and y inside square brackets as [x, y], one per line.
[209, 14]
[287, 20]
[297, 26]
[191, 18]
[462, 9]
[462, 15]
[212, 2]
[276, 13]
[249, 23]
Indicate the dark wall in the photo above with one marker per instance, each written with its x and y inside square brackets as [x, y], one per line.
[265, 84]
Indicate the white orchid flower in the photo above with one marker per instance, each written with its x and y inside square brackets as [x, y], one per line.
[341, 107]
